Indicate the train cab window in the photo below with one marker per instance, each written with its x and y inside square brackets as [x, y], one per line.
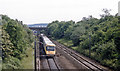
[50, 48]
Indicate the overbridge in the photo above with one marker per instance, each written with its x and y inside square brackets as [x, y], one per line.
[38, 29]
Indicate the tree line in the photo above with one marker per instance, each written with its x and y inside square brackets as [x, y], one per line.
[104, 33]
[16, 39]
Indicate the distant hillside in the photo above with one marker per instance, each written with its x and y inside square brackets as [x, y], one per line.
[37, 25]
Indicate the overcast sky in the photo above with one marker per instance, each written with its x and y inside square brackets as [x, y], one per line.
[46, 11]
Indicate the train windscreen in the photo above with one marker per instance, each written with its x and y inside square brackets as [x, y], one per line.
[50, 48]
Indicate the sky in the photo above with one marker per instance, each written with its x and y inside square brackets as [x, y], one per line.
[46, 11]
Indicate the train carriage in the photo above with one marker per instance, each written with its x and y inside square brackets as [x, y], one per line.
[49, 47]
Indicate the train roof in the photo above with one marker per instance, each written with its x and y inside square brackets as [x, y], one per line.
[47, 41]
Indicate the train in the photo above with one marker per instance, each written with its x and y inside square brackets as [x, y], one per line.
[49, 46]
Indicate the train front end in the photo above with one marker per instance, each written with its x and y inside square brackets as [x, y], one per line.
[50, 50]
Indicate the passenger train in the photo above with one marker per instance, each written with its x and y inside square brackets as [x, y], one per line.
[49, 47]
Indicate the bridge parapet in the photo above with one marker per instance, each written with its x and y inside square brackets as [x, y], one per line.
[38, 29]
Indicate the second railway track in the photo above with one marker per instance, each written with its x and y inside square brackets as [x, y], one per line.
[86, 63]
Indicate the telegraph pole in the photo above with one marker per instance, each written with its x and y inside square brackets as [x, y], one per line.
[89, 45]
[35, 52]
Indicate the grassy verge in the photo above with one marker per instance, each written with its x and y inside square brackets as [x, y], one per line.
[28, 62]
[80, 50]
[65, 42]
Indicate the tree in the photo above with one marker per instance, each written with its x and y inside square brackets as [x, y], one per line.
[106, 11]
[16, 38]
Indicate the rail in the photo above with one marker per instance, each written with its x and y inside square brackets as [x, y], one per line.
[88, 64]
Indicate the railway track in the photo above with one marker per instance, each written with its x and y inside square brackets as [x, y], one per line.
[86, 63]
[45, 63]
[37, 58]
[49, 64]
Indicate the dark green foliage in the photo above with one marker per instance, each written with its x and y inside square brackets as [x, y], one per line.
[16, 38]
[105, 37]
[58, 29]
[117, 42]
[75, 39]
[11, 63]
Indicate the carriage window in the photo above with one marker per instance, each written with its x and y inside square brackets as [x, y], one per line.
[50, 48]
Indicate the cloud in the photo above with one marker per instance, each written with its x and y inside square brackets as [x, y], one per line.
[36, 11]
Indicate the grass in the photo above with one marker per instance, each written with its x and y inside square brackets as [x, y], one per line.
[65, 42]
[74, 48]
[28, 62]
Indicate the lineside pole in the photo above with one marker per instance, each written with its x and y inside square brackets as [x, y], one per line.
[35, 52]
[89, 46]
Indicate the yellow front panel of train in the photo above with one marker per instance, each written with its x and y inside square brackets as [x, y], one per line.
[50, 52]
